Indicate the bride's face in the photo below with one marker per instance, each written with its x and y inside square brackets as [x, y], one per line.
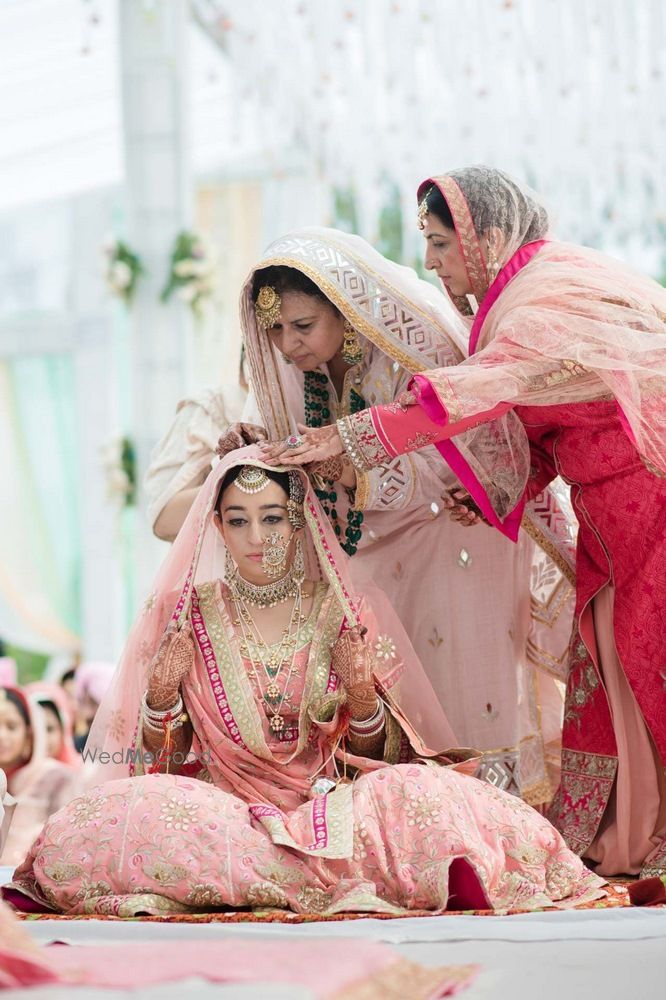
[443, 256]
[309, 332]
[245, 521]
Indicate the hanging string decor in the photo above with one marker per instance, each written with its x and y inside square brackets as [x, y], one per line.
[546, 91]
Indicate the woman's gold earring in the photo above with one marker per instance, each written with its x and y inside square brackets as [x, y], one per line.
[352, 351]
[492, 265]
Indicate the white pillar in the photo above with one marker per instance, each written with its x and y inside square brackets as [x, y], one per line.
[153, 36]
[103, 617]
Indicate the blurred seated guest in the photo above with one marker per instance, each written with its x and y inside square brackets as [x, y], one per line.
[40, 785]
[182, 459]
[90, 684]
[60, 670]
[68, 685]
[6, 809]
[54, 703]
[8, 671]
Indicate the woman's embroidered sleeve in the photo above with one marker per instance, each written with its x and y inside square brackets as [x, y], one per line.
[374, 437]
[408, 482]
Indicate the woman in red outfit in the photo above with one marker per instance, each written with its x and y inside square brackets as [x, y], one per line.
[568, 358]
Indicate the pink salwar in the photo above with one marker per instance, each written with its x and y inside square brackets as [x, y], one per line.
[634, 823]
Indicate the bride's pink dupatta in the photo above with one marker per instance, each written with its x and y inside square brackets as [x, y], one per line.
[238, 760]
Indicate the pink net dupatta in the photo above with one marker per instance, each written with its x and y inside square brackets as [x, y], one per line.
[565, 324]
[198, 555]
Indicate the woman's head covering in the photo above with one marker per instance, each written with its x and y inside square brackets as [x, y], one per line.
[573, 325]
[394, 312]
[481, 199]
[22, 776]
[197, 556]
[8, 671]
[42, 691]
[92, 678]
[390, 308]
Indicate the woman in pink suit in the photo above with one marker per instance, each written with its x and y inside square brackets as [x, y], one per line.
[568, 356]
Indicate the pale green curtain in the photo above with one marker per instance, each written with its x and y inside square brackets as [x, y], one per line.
[40, 542]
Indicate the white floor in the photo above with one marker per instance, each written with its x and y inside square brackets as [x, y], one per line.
[585, 955]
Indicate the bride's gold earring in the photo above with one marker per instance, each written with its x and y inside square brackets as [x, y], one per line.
[230, 568]
[352, 351]
[492, 263]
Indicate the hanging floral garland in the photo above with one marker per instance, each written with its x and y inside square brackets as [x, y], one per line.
[192, 272]
[122, 269]
[119, 461]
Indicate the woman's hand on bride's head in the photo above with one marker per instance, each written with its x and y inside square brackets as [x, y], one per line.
[311, 444]
[238, 436]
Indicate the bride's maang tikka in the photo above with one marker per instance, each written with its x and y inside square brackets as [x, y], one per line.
[267, 307]
[251, 479]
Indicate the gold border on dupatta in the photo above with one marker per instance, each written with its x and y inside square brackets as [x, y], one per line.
[240, 698]
[468, 239]
[326, 561]
[326, 631]
[549, 547]
[581, 800]
[263, 369]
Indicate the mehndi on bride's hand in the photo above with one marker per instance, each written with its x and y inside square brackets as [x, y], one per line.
[352, 662]
[311, 444]
[170, 665]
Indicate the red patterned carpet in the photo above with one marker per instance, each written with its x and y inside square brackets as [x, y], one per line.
[617, 897]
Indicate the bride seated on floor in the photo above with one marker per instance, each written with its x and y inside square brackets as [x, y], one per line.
[304, 745]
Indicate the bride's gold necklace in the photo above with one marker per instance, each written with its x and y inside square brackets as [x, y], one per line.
[277, 656]
[265, 595]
